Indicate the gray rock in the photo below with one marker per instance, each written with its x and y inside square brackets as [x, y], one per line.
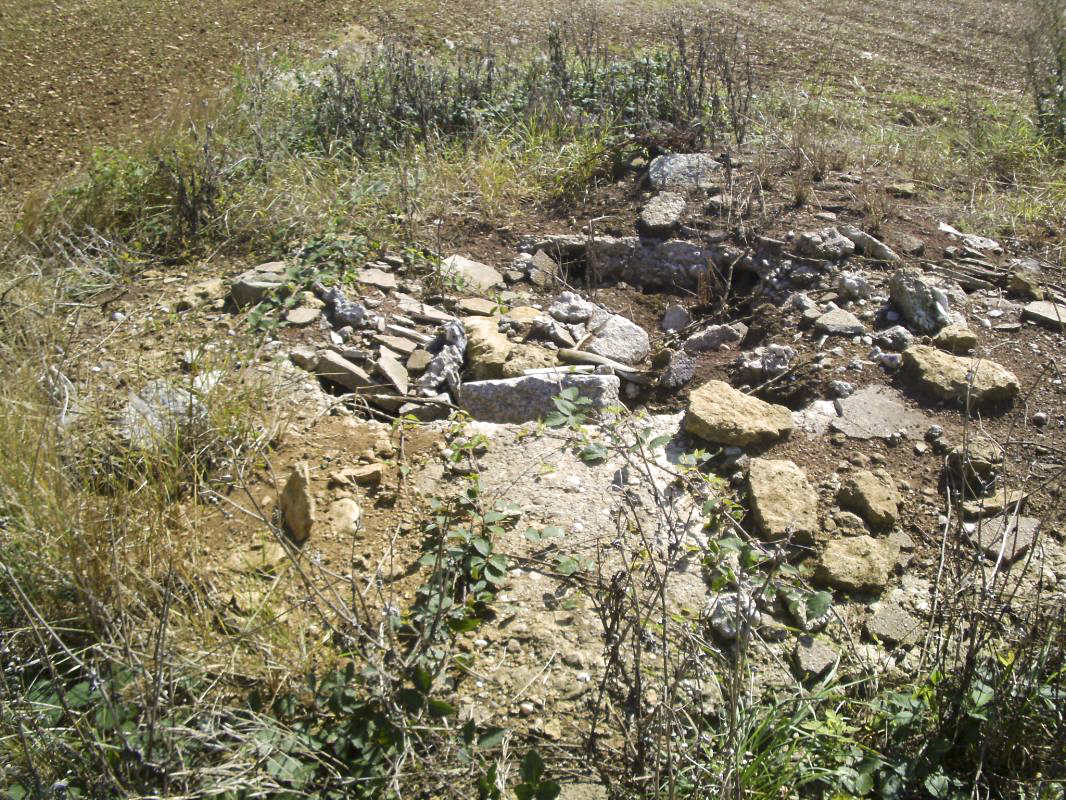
[720, 414]
[911, 245]
[895, 338]
[304, 358]
[680, 370]
[730, 612]
[684, 172]
[1043, 312]
[396, 373]
[973, 241]
[838, 322]
[471, 275]
[712, 338]
[783, 503]
[857, 564]
[160, 414]
[573, 309]
[543, 270]
[963, 381]
[852, 286]
[877, 412]
[873, 496]
[826, 245]
[339, 370]
[619, 339]
[256, 284]
[377, 278]
[447, 362]
[344, 312]
[841, 389]
[813, 657]
[661, 214]
[867, 245]
[517, 400]
[976, 461]
[923, 305]
[892, 625]
[297, 505]
[302, 317]
[764, 363]
[427, 412]
[423, 312]
[675, 318]
[1008, 535]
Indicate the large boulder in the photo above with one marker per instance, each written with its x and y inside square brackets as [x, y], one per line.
[783, 503]
[720, 414]
[857, 564]
[960, 380]
[529, 398]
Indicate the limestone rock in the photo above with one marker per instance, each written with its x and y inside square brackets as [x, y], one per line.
[621, 340]
[893, 626]
[720, 414]
[712, 338]
[813, 657]
[302, 316]
[675, 318]
[256, 284]
[857, 564]
[297, 505]
[825, 244]
[878, 412]
[487, 349]
[976, 461]
[345, 516]
[200, 293]
[922, 304]
[1046, 313]
[783, 503]
[866, 244]
[999, 502]
[336, 368]
[958, 379]
[871, 495]
[477, 307]
[394, 371]
[838, 322]
[160, 414]
[377, 278]
[472, 275]
[662, 214]
[542, 269]
[1008, 535]
[684, 172]
[529, 398]
[956, 339]
[526, 357]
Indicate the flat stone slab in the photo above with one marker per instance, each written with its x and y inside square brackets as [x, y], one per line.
[378, 278]
[473, 275]
[662, 213]
[621, 340]
[892, 625]
[838, 322]
[685, 172]
[813, 657]
[256, 284]
[877, 412]
[783, 503]
[529, 398]
[957, 378]
[302, 316]
[720, 414]
[1046, 313]
[1012, 536]
[336, 368]
[857, 564]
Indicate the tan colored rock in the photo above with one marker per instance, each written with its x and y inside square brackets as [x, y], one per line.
[956, 378]
[200, 293]
[857, 564]
[871, 495]
[956, 339]
[487, 349]
[783, 503]
[528, 356]
[302, 316]
[297, 505]
[345, 516]
[720, 414]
